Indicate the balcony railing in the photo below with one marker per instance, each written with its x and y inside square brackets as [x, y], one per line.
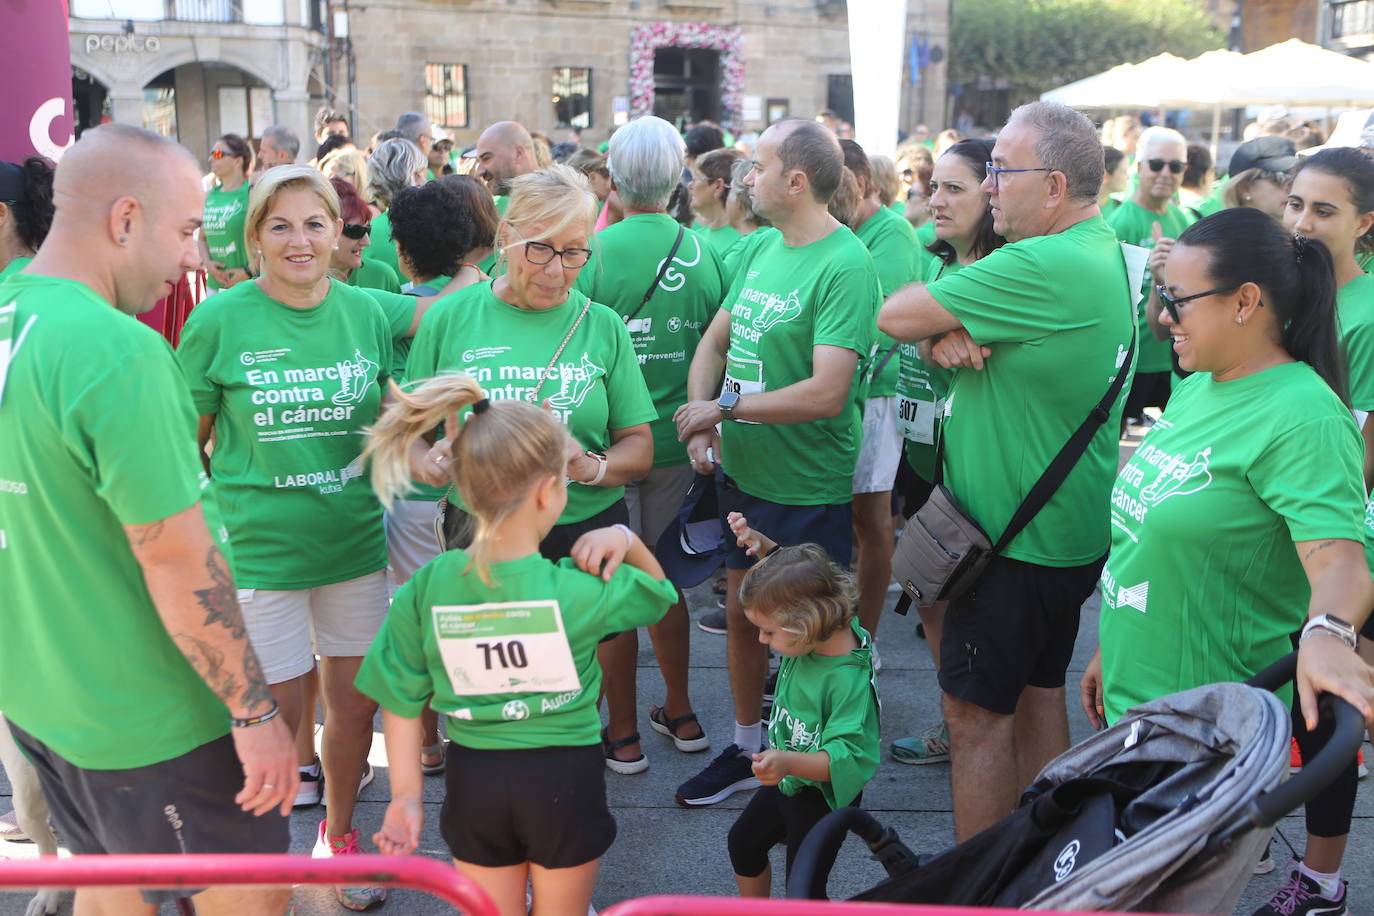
[205, 10]
[1354, 17]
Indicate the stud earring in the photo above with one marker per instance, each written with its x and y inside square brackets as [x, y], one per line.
[122, 240]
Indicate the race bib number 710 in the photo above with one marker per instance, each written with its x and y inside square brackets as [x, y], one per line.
[515, 647]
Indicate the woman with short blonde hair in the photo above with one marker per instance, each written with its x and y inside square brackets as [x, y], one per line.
[287, 371]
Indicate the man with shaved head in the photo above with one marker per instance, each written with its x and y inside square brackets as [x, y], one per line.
[504, 151]
[128, 678]
[792, 332]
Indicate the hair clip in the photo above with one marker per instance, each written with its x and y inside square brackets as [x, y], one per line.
[481, 406]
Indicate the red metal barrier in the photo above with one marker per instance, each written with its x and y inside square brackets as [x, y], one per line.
[171, 871]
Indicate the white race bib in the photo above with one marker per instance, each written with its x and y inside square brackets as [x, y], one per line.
[743, 376]
[916, 416]
[515, 647]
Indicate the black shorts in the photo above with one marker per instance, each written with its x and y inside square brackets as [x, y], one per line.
[1148, 389]
[1014, 629]
[543, 805]
[558, 543]
[182, 805]
[831, 526]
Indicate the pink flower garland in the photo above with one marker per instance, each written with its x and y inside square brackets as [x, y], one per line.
[646, 39]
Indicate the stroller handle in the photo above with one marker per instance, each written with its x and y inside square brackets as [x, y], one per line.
[1319, 772]
[822, 844]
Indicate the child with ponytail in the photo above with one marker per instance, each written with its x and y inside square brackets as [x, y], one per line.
[502, 642]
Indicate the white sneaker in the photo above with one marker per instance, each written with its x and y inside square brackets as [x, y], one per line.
[10, 829]
[368, 776]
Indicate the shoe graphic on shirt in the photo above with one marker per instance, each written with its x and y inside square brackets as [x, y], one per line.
[354, 377]
[778, 311]
[1179, 479]
[576, 382]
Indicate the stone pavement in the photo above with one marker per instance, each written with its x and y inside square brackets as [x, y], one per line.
[663, 848]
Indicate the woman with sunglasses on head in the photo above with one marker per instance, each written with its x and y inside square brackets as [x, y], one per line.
[222, 247]
[287, 371]
[347, 262]
[1240, 516]
[963, 233]
[529, 335]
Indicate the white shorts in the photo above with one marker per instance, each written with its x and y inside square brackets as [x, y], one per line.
[410, 541]
[655, 499]
[289, 628]
[881, 450]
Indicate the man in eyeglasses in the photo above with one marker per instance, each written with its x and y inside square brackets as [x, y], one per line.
[1039, 329]
[1150, 219]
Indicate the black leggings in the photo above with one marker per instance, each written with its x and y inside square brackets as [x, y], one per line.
[1328, 815]
[771, 818]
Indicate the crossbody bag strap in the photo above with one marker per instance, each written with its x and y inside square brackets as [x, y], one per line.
[543, 376]
[658, 278]
[1068, 456]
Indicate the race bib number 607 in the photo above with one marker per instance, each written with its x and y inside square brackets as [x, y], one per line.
[515, 647]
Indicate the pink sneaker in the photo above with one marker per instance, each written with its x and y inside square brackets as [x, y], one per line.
[353, 898]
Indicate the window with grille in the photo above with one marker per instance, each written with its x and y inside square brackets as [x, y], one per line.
[572, 97]
[446, 94]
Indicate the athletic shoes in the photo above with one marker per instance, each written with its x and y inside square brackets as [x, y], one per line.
[353, 898]
[10, 829]
[311, 791]
[1295, 760]
[712, 622]
[732, 771]
[1361, 771]
[930, 746]
[1301, 896]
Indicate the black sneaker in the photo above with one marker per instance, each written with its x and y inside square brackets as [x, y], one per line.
[712, 622]
[732, 771]
[1301, 896]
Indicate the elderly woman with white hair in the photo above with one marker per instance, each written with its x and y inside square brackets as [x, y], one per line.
[665, 283]
[395, 164]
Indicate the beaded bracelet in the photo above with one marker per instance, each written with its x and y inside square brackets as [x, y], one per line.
[257, 720]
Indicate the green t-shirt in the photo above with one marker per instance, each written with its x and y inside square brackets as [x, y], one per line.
[1203, 583]
[291, 391]
[536, 682]
[729, 261]
[488, 264]
[925, 237]
[1134, 225]
[666, 331]
[1369, 534]
[1355, 317]
[1366, 262]
[1056, 310]
[721, 239]
[829, 703]
[225, 212]
[595, 388]
[96, 432]
[383, 249]
[785, 301]
[399, 309]
[13, 267]
[921, 390]
[375, 275]
[891, 241]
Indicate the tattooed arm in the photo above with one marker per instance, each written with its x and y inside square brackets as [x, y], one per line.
[1339, 577]
[194, 593]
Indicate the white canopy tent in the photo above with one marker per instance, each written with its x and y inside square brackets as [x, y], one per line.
[1292, 72]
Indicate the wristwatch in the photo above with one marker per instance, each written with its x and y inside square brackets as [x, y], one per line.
[726, 402]
[1335, 626]
[601, 462]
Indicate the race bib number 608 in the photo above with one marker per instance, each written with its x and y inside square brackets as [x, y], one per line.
[515, 647]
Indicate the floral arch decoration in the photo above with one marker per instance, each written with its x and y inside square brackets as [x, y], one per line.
[729, 41]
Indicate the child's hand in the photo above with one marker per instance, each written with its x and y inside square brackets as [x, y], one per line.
[770, 766]
[600, 552]
[754, 543]
[400, 833]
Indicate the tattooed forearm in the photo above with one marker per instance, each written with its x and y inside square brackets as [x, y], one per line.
[1322, 546]
[220, 600]
[208, 661]
[144, 534]
[256, 695]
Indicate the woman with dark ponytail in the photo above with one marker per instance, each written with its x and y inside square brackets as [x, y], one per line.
[1240, 516]
[26, 211]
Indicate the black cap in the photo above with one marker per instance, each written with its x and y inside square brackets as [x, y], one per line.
[1271, 153]
[12, 181]
[696, 541]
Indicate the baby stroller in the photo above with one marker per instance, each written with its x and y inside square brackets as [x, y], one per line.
[1167, 811]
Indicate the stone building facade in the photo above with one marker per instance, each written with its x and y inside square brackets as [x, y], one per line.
[556, 64]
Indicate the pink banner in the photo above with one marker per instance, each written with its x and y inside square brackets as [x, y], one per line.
[36, 71]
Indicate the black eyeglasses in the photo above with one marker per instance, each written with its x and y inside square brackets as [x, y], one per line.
[1171, 303]
[997, 173]
[356, 231]
[1175, 165]
[541, 254]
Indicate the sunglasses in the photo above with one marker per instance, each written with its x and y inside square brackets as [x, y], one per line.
[356, 231]
[1171, 303]
[219, 154]
[1175, 165]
